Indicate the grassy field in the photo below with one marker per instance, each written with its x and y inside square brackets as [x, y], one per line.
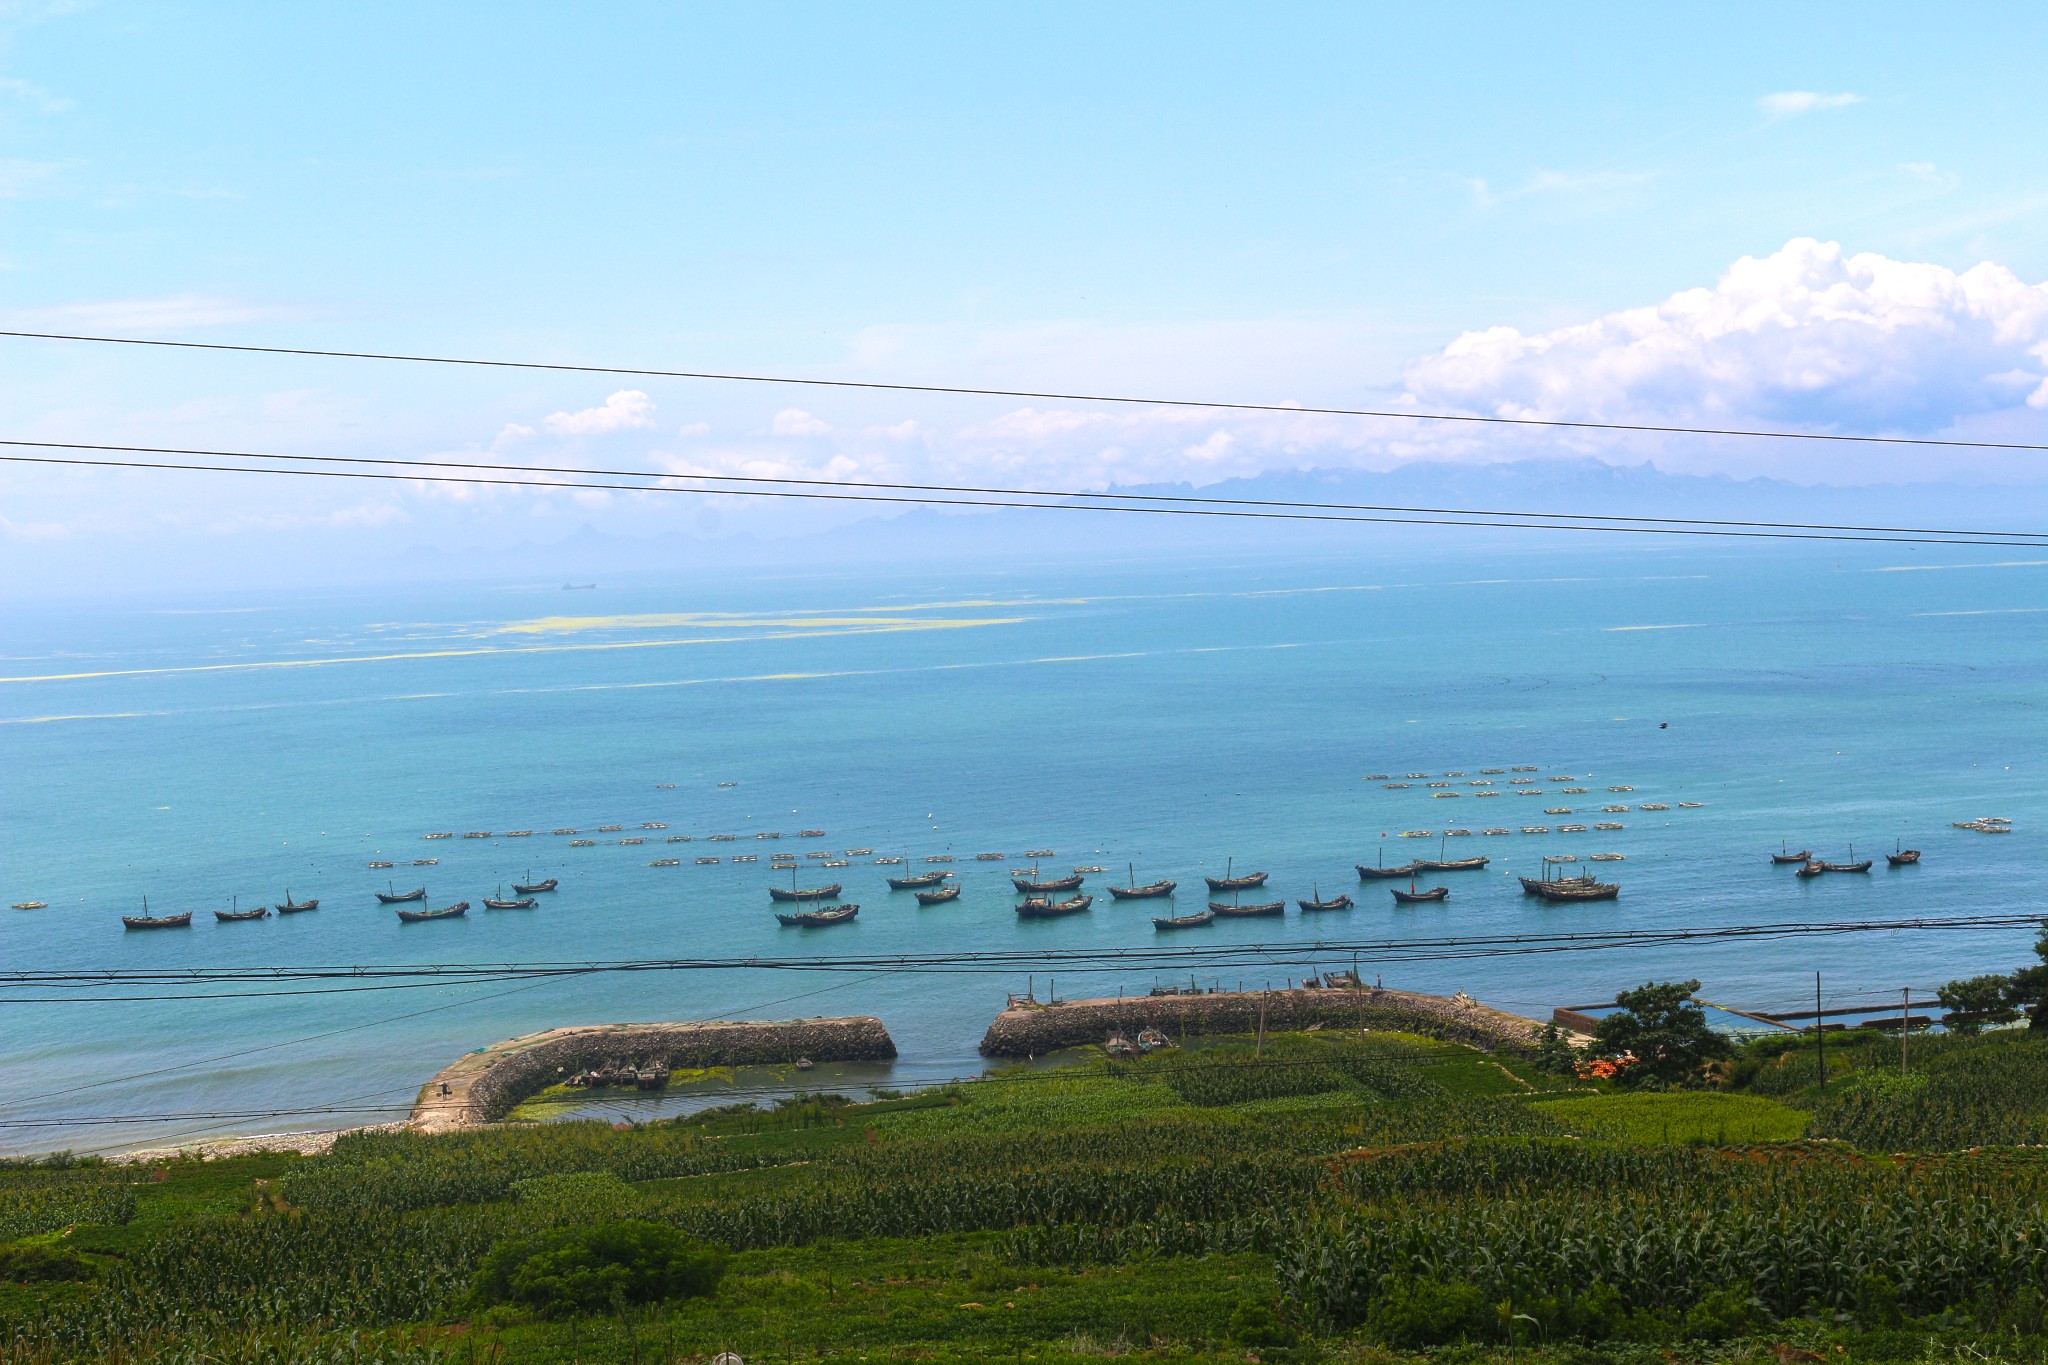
[1324, 1196]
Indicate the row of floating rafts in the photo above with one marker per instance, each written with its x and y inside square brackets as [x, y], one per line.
[615, 829]
[1986, 824]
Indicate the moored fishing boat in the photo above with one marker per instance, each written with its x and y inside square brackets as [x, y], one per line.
[288, 906]
[1784, 856]
[1905, 857]
[813, 919]
[1412, 897]
[1573, 890]
[921, 879]
[232, 916]
[523, 903]
[1031, 886]
[534, 888]
[1863, 866]
[1449, 865]
[1811, 869]
[1230, 882]
[418, 893]
[803, 893]
[1534, 886]
[1369, 874]
[455, 911]
[157, 921]
[1149, 891]
[939, 897]
[1040, 908]
[1261, 910]
[1194, 921]
[1335, 903]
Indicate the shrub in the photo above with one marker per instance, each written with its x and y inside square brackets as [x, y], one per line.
[601, 1266]
[1409, 1314]
[37, 1264]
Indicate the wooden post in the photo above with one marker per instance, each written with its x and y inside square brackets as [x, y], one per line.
[1259, 1049]
[1820, 1034]
[1905, 1017]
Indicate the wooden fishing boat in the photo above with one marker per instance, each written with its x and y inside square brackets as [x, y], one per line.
[1040, 908]
[803, 893]
[523, 903]
[1449, 865]
[814, 919]
[1811, 869]
[157, 921]
[1533, 886]
[1905, 857]
[1370, 874]
[1782, 859]
[455, 911]
[399, 897]
[231, 916]
[1435, 893]
[1863, 866]
[1150, 891]
[1030, 886]
[1194, 921]
[1259, 911]
[288, 906]
[940, 896]
[921, 879]
[1228, 882]
[1573, 890]
[535, 888]
[1338, 903]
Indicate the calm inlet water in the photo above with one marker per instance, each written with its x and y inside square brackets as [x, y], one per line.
[195, 751]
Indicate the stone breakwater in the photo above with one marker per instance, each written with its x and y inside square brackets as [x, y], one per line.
[1032, 1030]
[483, 1086]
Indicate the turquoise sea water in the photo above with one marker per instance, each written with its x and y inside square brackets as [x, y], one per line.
[1168, 717]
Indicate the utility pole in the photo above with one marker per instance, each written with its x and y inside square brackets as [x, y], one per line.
[1905, 995]
[1820, 1034]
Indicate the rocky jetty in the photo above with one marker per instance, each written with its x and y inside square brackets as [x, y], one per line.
[1031, 1029]
[483, 1086]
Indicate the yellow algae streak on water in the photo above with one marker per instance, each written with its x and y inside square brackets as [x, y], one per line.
[772, 630]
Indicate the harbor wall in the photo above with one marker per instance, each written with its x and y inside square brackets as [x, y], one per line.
[1034, 1029]
[483, 1086]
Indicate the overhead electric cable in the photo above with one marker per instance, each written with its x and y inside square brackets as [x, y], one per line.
[1108, 496]
[643, 372]
[1965, 538]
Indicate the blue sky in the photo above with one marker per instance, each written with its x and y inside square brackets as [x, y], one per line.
[1306, 203]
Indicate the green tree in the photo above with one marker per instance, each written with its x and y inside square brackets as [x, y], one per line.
[1665, 1030]
[597, 1266]
[1973, 1002]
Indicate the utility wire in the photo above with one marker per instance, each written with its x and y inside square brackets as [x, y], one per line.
[1137, 498]
[975, 392]
[1205, 512]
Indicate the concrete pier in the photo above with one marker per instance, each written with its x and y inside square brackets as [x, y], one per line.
[1032, 1029]
[483, 1086]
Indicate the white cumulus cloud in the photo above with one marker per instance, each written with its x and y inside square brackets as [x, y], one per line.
[1786, 103]
[626, 410]
[1808, 334]
[797, 422]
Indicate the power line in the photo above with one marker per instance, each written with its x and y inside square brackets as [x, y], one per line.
[1004, 961]
[1964, 538]
[976, 392]
[1169, 499]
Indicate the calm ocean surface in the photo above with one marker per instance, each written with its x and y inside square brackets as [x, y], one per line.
[1168, 717]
